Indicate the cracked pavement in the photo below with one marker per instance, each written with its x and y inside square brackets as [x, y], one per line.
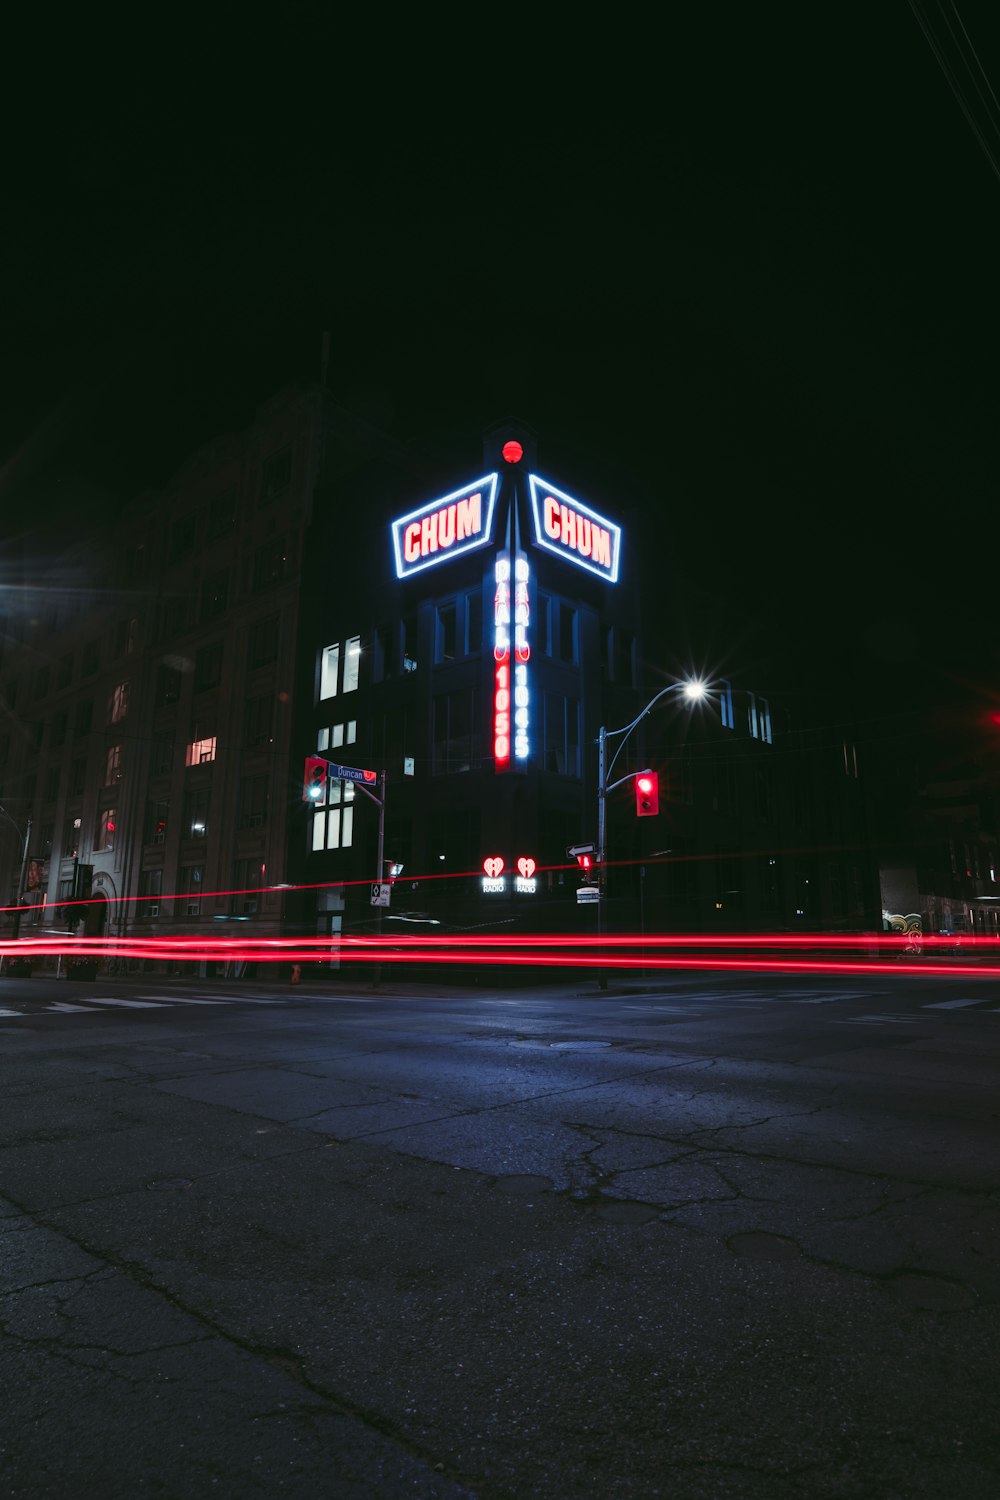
[438, 1245]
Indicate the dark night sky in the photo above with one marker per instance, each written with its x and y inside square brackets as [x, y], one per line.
[746, 271]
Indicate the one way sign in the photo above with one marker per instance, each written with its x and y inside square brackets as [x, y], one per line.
[380, 894]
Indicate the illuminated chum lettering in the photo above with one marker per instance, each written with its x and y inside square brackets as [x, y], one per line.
[574, 531]
[444, 528]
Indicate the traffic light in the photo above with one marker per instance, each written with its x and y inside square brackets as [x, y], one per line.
[647, 794]
[584, 861]
[314, 779]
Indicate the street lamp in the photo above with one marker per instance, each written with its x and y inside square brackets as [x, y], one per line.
[693, 690]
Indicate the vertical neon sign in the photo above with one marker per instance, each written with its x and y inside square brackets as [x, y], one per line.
[501, 664]
[522, 655]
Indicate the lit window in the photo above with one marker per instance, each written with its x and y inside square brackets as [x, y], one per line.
[118, 703]
[113, 767]
[333, 829]
[759, 717]
[337, 735]
[352, 663]
[726, 704]
[329, 671]
[200, 752]
[104, 838]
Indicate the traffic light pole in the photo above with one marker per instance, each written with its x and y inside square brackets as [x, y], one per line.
[692, 690]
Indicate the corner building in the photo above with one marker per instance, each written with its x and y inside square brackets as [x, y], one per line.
[459, 651]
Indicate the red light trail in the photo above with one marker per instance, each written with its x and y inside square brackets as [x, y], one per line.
[764, 953]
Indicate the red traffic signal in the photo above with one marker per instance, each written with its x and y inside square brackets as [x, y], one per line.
[314, 779]
[584, 861]
[647, 794]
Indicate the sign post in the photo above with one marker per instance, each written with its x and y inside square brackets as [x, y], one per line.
[364, 781]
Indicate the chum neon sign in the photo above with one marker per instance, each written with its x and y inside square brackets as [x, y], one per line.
[510, 661]
[445, 528]
[574, 531]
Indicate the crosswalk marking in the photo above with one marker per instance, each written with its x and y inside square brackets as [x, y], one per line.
[131, 1004]
[175, 1000]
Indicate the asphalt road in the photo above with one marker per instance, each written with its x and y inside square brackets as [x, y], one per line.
[715, 1237]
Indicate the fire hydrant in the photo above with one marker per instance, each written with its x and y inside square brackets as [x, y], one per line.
[296, 973]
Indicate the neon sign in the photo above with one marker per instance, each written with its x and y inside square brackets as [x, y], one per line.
[510, 692]
[573, 531]
[494, 883]
[445, 528]
[525, 883]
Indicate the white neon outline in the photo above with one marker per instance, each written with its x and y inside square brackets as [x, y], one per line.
[405, 569]
[535, 483]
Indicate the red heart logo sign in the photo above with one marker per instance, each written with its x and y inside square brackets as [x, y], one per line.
[526, 865]
[493, 864]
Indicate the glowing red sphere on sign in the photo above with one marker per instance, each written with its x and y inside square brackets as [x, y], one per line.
[526, 866]
[645, 783]
[512, 452]
[493, 864]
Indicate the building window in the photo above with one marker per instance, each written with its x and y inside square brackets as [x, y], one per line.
[333, 820]
[215, 595]
[150, 886]
[253, 802]
[222, 514]
[207, 667]
[52, 778]
[270, 564]
[726, 704]
[567, 636]
[561, 735]
[190, 883]
[329, 668]
[71, 838]
[161, 755]
[77, 777]
[759, 717]
[40, 686]
[248, 877]
[455, 743]
[850, 760]
[337, 735]
[258, 721]
[64, 672]
[157, 810]
[113, 765]
[446, 632]
[352, 663]
[57, 729]
[263, 641]
[276, 474]
[127, 637]
[104, 837]
[329, 671]
[194, 824]
[168, 685]
[118, 703]
[200, 752]
[45, 836]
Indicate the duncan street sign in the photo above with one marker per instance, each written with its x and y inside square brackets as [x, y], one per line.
[350, 773]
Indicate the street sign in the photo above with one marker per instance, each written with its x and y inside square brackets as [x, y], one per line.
[587, 894]
[350, 773]
[575, 850]
[380, 894]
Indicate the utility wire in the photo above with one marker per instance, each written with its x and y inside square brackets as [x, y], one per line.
[954, 84]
